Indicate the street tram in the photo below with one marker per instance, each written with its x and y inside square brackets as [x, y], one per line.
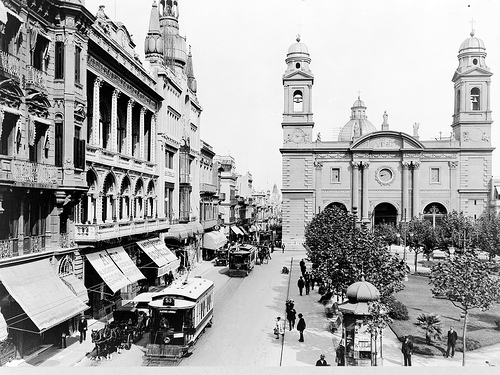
[242, 260]
[179, 314]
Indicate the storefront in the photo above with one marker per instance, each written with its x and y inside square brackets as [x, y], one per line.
[36, 304]
[112, 278]
[157, 261]
[212, 242]
[181, 240]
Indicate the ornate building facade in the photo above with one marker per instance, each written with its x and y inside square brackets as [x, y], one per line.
[386, 175]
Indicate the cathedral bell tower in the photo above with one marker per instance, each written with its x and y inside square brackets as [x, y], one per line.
[297, 81]
[472, 114]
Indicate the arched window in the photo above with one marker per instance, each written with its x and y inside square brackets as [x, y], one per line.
[475, 99]
[297, 101]
[66, 267]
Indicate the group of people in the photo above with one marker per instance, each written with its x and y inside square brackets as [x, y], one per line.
[306, 281]
[291, 315]
[451, 341]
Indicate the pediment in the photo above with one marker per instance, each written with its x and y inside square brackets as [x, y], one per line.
[473, 71]
[298, 75]
[387, 140]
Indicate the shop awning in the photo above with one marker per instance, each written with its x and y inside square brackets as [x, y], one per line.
[108, 270]
[236, 230]
[43, 296]
[3, 13]
[76, 286]
[244, 231]
[179, 231]
[163, 257]
[125, 264]
[3, 328]
[214, 240]
[196, 227]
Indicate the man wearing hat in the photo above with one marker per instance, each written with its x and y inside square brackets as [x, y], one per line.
[321, 361]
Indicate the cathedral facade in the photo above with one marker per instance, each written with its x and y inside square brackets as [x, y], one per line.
[383, 175]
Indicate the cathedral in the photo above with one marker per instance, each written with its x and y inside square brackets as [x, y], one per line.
[384, 175]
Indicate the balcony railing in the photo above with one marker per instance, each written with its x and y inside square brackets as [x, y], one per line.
[207, 188]
[36, 78]
[65, 241]
[10, 64]
[185, 178]
[34, 244]
[27, 171]
[117, 229]
[9, 248]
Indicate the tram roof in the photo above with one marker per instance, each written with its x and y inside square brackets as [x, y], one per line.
[179, 304]
[191, 288]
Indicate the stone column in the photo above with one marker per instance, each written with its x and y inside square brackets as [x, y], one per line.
[404, 204]
[130, 150]
[454, 184]
[114, 120]
[355, 185]
[319, 170]
[96, 123]
[141, 134]
[99, 208]
[364, 210]
[416, 189]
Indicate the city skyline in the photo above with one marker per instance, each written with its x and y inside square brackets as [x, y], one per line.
[398, 57]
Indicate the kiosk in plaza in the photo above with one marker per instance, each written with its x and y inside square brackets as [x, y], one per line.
[361, 346]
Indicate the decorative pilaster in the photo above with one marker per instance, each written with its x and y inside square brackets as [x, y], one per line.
[96, 123]
[318, 166]
[416, 189]
[364, 207]
[130, 105]
[355, 186]
[114, 120]
[454, 184]
[404, 204]
[141, 133]
[153, 139]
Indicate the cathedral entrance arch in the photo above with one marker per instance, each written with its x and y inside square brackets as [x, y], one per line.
[338, 205]
[434, 212]
[385, 213]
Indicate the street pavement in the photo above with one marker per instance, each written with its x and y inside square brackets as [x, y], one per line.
[318, 338]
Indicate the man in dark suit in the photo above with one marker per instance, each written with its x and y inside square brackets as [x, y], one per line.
[300, 284]
[321, 361]
[301, 326]
[407, 350]
[82, 328]
[452, 340]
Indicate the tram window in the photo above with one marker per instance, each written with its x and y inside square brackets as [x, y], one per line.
[164, 323]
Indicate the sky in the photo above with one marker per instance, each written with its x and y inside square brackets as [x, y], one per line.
[398, 55]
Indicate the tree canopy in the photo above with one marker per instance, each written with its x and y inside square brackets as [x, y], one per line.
[341, 253]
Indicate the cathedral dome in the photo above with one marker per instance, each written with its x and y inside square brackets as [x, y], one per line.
[472, 43]
[298, 52]
[358, 125]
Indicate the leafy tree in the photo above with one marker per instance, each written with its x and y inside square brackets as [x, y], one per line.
[466, 281]
[456, 230]
[432, 325]
[342, 253]
[488, 234]
[376, 322]
[387, 232]
[421, 238]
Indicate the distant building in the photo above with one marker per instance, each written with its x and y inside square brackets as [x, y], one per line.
[386, 175]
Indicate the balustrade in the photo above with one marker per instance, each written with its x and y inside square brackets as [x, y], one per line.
[34, 244]
[26, 171]
[9, 248]
[36, 77]
[10, 64]
[65, 241]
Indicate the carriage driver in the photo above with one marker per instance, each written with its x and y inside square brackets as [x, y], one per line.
[164, 324]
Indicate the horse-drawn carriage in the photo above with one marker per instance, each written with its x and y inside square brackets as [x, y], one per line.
[264, 254]
[127, 327]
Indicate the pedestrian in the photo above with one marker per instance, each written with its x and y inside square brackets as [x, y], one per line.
[452, 340]
[307, 283]
[82, 328]
[279, 328]
[300, 284]
[313, 280]
[321, 361]
[340, 355]
[303, 267]
[283, 248]
[407, 350]
[290, 316]
[301, 326]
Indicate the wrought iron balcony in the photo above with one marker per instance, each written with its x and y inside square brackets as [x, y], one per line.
[10, 64]
[36, 78]
[117, 229]
[30, 172]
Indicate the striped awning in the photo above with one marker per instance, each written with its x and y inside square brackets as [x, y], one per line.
[214, 240]
[236, 230]
[196, 227]
[179, 231]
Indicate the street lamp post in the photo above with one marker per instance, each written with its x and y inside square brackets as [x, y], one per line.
[452, 251]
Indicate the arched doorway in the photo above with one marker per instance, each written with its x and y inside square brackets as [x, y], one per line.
[385, 213]
[338, 205]
[434, 212]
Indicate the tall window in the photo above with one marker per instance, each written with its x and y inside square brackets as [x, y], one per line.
[297, 101]
[7, 133]
[457, 103]
[169, 159]
[435, 177]
[475, 96]
[78, 53]
[59, 61]
[59, 143]
[335, 175]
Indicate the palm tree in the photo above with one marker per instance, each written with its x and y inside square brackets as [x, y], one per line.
[432, 325]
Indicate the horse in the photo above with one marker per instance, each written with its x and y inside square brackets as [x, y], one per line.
[105, 340]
